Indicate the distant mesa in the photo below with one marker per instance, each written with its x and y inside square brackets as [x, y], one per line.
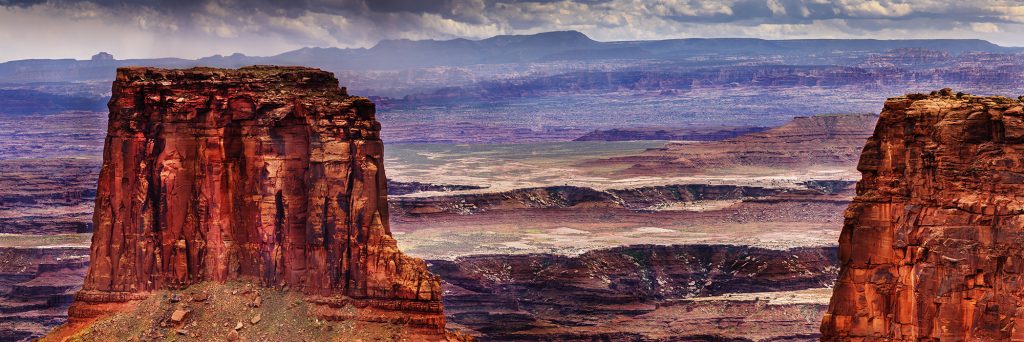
[102, 56]
[544, 47]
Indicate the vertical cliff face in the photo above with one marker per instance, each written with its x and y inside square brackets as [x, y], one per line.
[263, 174]
[931, 247]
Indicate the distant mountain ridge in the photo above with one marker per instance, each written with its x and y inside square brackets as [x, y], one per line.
[541, 47]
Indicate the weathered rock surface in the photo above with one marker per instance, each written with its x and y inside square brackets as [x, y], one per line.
[264, 174]
[931, 246]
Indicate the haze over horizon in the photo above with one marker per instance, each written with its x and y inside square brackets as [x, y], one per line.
[198, 28]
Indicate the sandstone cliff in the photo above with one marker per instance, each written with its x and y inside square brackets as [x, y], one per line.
[931, 247]
[268, 175]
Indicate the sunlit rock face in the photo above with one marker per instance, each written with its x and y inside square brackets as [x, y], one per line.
[271, 175]
[932, 244]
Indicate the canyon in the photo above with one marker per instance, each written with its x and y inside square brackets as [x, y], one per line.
[559, 188]
[270, 176]
[474, 211]
[930, 247]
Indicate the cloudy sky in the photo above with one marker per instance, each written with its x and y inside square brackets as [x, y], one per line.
[196, 28]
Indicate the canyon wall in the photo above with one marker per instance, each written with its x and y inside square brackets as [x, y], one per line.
[269, 175]
[931, 246]
[562, 197]
[36, 287]
[637, 293]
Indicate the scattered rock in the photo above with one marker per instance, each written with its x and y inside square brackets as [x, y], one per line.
[178, 315]
[255, 319]
[239, 326]
[232, 335]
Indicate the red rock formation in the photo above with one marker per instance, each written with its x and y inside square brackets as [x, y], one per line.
[265, 174]
[931, 247]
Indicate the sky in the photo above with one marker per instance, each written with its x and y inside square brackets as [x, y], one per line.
[198, 28]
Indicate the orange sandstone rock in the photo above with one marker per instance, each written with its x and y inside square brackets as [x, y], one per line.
[932, 244]
[272, 175]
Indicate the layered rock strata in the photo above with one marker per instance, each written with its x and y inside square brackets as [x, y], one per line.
[823, 141]
[264, 174]
[639, 293]
[36, 287]
[931, 246]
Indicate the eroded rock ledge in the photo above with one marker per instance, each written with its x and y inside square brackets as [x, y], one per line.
[272, 175]
[931, 247]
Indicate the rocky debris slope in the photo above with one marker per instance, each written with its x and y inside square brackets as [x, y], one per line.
[641, 292]
[240, 311]
[272, 175]
[931, 246]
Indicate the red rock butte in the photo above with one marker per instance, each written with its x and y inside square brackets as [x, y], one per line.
[271, 175]
[931, 247]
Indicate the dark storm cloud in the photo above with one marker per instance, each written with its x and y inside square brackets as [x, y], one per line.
[741, 12]
[416, 6]
[265, 26]
[20, 2]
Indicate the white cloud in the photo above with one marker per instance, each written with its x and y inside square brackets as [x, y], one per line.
[690, 8]
[985, 27]
[873, 8]
[777, 8]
